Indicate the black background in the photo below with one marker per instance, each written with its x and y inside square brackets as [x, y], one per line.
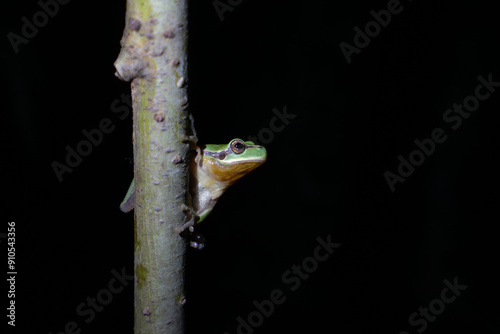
[324, 175]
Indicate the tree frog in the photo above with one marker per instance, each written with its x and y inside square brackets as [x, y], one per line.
[212, 170]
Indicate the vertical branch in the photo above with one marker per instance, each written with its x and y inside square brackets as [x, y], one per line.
[154, 57]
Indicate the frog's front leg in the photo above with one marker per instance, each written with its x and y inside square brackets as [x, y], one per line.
[189, 225]
[197, 240]
[193, 140]
[191, 222]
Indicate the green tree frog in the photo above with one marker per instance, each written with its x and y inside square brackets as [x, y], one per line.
[212, 170]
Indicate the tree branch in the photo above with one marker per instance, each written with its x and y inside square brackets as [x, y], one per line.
[154, 57]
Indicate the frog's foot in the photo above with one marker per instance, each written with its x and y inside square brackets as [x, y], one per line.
[189, 225]
[193, 219]
[197, 240]
[191, 139]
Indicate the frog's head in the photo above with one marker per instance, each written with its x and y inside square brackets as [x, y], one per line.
[229, 162]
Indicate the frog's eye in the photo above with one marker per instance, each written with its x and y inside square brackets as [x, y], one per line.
[238, 146]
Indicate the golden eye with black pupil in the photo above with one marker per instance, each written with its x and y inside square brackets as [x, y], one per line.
[237, 146]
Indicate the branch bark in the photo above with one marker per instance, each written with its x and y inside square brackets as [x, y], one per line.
[154, 57]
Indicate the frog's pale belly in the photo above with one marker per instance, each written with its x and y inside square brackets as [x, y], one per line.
[204, 190]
